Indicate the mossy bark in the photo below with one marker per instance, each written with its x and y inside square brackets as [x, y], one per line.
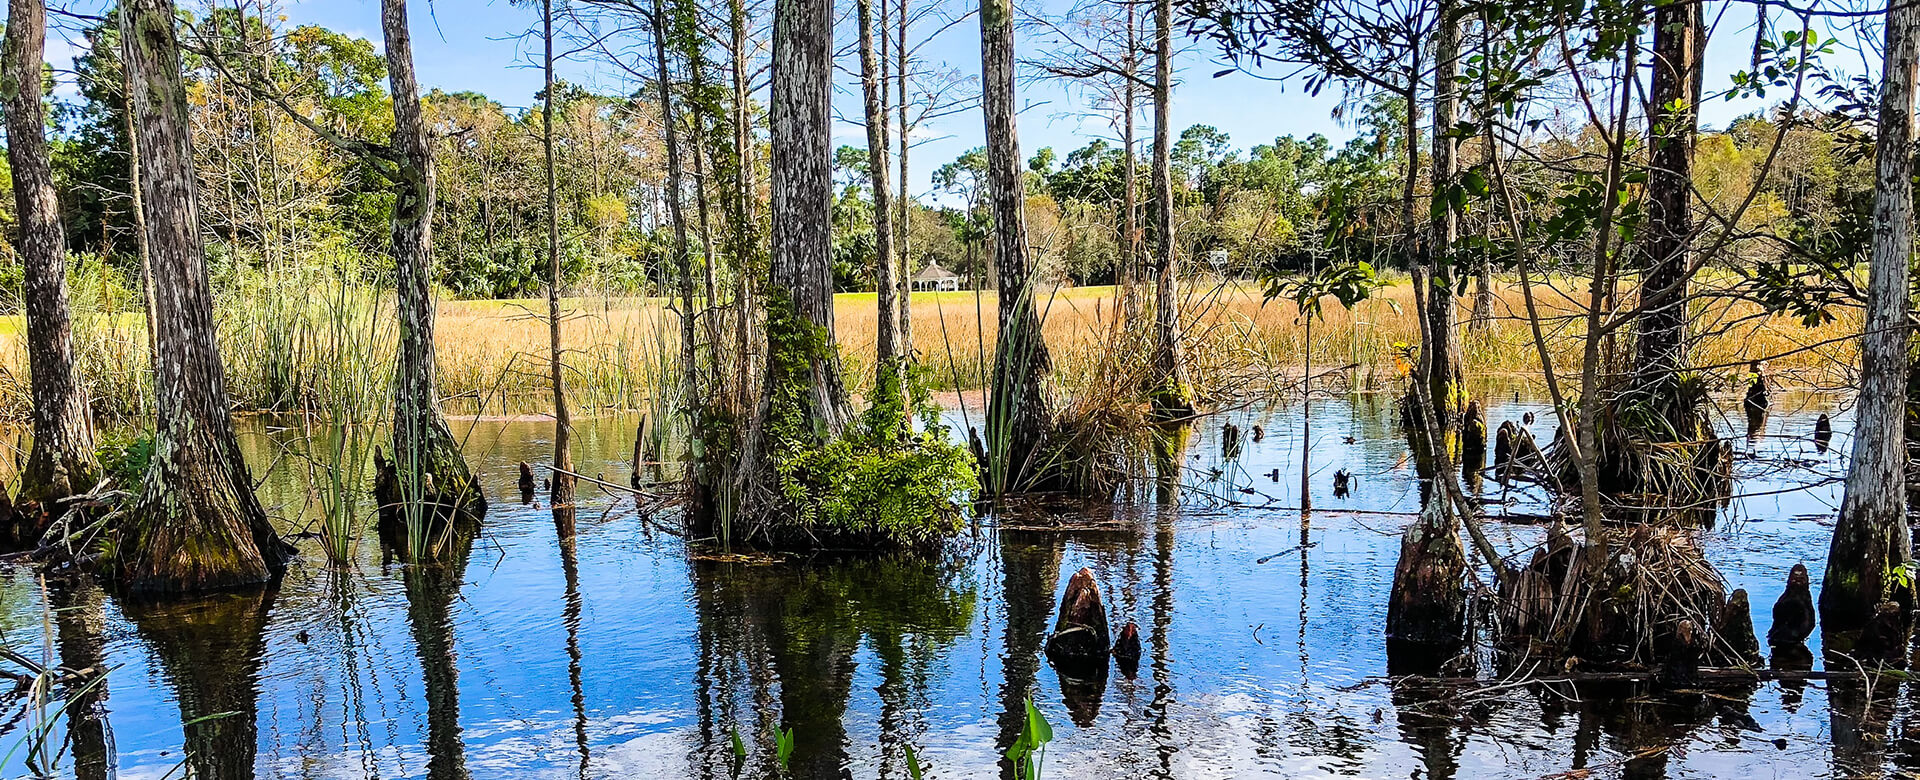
[1871, 542]
[1171, 394]
[61, 461]
[433, 473]
[802, 398]
[1019, 411]
[197, 523]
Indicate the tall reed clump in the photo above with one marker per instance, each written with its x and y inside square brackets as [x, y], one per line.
[343, 424]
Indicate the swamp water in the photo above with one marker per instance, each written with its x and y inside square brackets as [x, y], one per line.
[618, 657]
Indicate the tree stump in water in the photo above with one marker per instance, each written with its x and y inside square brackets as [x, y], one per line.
[1822, 434]
[1473, 439]
[1738, 645]
[1426, 610]
[1503, 445]
[1793, 615]
[1080, 638]
[526, 483]
[1126, 650]
[1756, 401]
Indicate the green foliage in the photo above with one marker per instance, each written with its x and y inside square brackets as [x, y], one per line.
[783, 748]
[124, 456]
[878, 481]
[1028, 753]
[1349, 283]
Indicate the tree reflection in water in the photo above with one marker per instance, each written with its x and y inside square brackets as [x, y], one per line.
[785, 638]
[210, 649]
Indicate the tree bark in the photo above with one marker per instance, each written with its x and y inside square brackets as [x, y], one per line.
[61, 462]
[197, 523]
[872, 87]
[1019, 414]
[682, 256]
[1871, 539]
[1674, 118]
[801, 394]
[1171, 395]
[563, 484]
[745, 243]
[431, 473]
[1442, 347]
[904, 280]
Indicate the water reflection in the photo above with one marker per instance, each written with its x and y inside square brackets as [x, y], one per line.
[785, 640]
[210, 649]
[614, 654]
[80, 626]
[431, 589]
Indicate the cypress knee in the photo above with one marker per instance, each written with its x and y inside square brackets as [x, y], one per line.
[1080, 633]
[1736, 630]
[1793, 616]
[1126, 649]
[1473, 439]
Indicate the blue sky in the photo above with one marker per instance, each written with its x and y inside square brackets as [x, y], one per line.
[473, 45]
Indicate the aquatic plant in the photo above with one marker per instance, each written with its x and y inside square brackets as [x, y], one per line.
[1028, 754]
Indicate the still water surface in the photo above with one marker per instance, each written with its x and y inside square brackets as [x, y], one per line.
[618, 657]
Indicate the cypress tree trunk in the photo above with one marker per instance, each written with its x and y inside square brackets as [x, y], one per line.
[872, 88]
[1171, 396]
[682, 257]
[904, 279]
[197, 523]
[1019, 413]
[61, 462]
[1130, 174]
[802, 396]
[1442, 347]
[563, 483]
[744, 241]
[431, 473]
[1661, 329]
[1871, 539]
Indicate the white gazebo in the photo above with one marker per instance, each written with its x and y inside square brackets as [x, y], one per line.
[933, 278]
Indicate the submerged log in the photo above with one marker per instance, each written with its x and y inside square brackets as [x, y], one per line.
[1126, 650]
[1080, 636]
[526, 483]
[1426, 610]
[1738, 645]
[1793, 615]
